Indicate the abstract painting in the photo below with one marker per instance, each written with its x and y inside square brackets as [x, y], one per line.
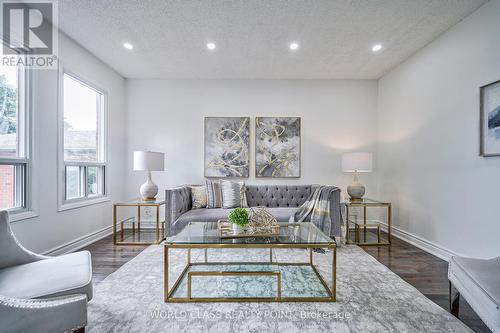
[490, 119]
[277, 147]
[227, 146]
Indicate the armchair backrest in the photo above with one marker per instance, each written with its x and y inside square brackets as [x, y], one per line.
[12, 252]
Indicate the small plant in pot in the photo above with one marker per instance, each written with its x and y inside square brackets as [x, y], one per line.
[239, 219]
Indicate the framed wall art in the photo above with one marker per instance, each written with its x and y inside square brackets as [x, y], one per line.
[277, 147]
[489, 119]
[227, 147]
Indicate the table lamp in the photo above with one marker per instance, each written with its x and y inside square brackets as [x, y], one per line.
[148, 161]
[356, 162]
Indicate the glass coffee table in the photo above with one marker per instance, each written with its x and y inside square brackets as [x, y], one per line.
[267, 280]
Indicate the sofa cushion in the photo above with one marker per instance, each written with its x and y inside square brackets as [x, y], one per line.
[64, 275]
[282, 214]
[215, 214]
[478, 280]
[203, 215]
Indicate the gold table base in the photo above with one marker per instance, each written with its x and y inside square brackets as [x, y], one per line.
[159, 225]
[358, 225]
[168, 293]
[362, 229]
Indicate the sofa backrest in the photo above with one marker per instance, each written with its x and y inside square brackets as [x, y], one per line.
[278, 195]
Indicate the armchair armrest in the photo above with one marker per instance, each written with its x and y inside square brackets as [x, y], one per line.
[58, 314]
[178, 201]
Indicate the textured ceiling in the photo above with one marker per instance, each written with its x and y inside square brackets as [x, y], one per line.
[252, 37]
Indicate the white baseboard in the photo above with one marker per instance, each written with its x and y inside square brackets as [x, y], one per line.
[427, 246]
[80, 242]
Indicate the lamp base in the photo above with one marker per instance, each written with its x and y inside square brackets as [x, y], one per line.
[356, 190]
[149, 190]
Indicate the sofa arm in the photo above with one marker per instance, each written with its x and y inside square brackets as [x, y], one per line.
[178, 201]
[58, 314]
[336, 212]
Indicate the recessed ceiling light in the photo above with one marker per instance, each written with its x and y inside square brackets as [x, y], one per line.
[211, 46]
[377, 47]
[294, 46]
[128, 46]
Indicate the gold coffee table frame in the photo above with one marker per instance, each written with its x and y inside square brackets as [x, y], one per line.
[365, 204]
[159, 228]
[168, 292]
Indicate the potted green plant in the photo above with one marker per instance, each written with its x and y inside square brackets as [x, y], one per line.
[239, 219]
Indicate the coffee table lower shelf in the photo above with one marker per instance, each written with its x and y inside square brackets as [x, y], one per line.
[230, 281]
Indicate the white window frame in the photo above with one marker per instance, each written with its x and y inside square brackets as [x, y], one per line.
[86, 200]
[24, 165]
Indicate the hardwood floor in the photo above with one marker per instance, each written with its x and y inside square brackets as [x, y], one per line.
[424, 271]
[107, 257]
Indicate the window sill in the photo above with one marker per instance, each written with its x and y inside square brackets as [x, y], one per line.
[23, 215]
[82, 203]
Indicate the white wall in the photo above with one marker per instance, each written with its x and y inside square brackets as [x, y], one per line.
[428, 157]
[168, 116]
[420, 120]
[52, 228]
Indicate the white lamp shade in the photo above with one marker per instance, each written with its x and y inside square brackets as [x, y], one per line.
[149, 161]
[360, 162]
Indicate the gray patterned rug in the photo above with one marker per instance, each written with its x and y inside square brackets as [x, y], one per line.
[370, 298]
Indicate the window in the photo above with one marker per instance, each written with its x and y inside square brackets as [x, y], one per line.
[84, 140]
[15, 163]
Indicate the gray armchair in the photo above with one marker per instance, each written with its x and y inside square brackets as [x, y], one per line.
[478, 280]
[41, 293]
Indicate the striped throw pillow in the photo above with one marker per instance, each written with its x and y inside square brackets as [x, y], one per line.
[214, 194]
[233, 194]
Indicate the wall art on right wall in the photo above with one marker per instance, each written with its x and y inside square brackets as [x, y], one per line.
[490, 119]
[277, 147]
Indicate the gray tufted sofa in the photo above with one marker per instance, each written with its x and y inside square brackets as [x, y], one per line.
[282, 201]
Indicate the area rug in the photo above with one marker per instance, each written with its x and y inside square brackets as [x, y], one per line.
[370, 298]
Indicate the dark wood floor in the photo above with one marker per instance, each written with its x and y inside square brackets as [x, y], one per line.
[107, 257]
[425, 272]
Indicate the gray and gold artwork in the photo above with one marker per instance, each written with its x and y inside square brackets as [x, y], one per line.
[226, 146]
[277, 147]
